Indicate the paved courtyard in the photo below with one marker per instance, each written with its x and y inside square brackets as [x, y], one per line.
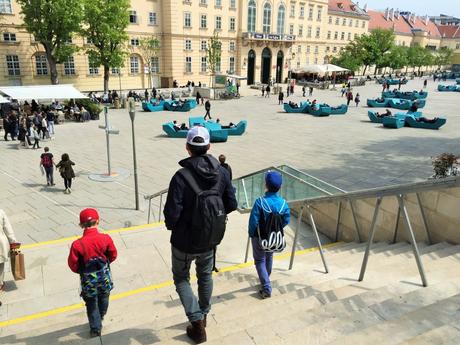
[347, 151]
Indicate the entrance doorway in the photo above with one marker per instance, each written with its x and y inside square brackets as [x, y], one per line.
[279, 67]
[266, 65]
[251, 65]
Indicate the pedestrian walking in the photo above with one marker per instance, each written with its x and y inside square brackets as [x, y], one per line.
[384, 86]
[45, 133]
[349, 97]
[35, 136]
[7, 128]
[222, 160]
[425, 83]
[90, 256]
[47, 163]
[267, 91]
[263, 91]
[343, 90]
[264, 215]
[357, 99]
[288, 89]
[292, 88]
[303, 90]
[280, 97]
[310, 91]
[66, 171]
[207, 107]
[197, 98]
[199, 199]
[50, 118]
[7, 242]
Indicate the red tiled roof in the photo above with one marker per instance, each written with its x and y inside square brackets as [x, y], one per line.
[449, 31]
[378, 20]
[347, 6]
[429, 27]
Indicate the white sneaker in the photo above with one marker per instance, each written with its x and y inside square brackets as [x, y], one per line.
[66, 191]
[70, 190]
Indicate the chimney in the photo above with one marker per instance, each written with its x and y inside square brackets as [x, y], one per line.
[387, 11]
[426, 19]
[392, 14]
[397, 13]
[365, 8]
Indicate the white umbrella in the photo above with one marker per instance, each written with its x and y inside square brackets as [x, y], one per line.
[42, 92]
[320, 69]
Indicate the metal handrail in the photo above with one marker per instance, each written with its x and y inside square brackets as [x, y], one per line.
[150, 198]
[313, 178]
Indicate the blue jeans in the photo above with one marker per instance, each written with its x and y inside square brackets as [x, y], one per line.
[181, 262]
[96, 308]
[264, 263]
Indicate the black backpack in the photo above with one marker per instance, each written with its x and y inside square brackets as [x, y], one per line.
[209, 218]
[270, 231]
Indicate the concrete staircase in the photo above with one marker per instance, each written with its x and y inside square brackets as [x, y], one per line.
[307, 306]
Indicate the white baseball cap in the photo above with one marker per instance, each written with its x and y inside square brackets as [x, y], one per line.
[198, 132]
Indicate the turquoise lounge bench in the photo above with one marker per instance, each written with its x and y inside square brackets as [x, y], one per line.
[412, 122]
[239, 128]
[150, 107]
[404, 104]
[302, 108]
[447, 88]
[373, 103]
[174, 105]
[319, 110]
[393, 122]
[216, 136]
[340, 110]
[412, 96]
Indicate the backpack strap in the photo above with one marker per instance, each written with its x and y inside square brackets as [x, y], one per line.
[82, 258]
[190, 179]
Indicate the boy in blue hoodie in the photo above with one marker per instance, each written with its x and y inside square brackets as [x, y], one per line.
[270, 202]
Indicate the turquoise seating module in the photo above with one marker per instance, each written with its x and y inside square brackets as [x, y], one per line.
[374, 103]
[177, 106]
[196, 121]
[239, 129]
[412, 122]
[457, 81]
[168, 128]
[302, 108]
[393, 122]
[411, 95]
[319, 110]
[150, 107]
[404, 104]
[447, 87]
[340, 110]
[373, 117]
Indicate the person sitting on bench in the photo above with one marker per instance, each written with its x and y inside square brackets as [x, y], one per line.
[425, 120]
[177, 128]
[230, 125]
[386, 113]
[414, 107]
[314, 104]
[380, 100]
[293, 105]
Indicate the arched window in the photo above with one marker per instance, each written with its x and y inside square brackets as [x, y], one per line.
[252, 16]
[267, 22]
[280, 22]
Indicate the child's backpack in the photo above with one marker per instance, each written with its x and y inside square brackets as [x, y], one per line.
[95, 276]
[46, 161]
[270, 231]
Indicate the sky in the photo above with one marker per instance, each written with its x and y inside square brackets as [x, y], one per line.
[420, 7]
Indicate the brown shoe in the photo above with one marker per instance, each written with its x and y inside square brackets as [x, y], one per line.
[196, 332]
[204, 321]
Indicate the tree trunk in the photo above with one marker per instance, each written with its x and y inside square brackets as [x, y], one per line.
[53, 66]
[106, 78]
[365, 69]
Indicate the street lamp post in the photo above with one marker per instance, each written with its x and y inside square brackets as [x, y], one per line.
[132, 114]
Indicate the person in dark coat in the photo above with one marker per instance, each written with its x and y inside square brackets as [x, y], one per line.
[280, 97]
[207, 107]
[66, 171]
[225, 165]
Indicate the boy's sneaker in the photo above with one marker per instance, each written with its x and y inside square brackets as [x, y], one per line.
[95, 333]
[264, 294]
[70, 190]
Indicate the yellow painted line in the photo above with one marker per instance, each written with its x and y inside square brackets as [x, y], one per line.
[153, 287]
[73, 238]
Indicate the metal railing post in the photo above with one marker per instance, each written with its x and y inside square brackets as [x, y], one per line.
[247, 250]
[355, 219]
[395, 236]
[315, 230]
[245, 193]
[150, 208]
[425, 222]
[410, 231]
[371, 238]
[159, 209]
[339, 214]
[294, 244]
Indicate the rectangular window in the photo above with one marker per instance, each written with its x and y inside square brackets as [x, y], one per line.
[204, 2]
[292, 13]
[330, 19]
[328, 49]
[316, 49]
[5, 6]
[334, 49]
[9, 37]
[115, 70]
[41, 65]
[302, 11]
[298, 64]
[342, 36]
[328, 35]
[344, 21]
[299, 49]
[187, 19]
[318, 33]
[232, 3]
[336, 35]
[310, 12]
[204, 64]
[218, 22]
[188, 64]
[350, 23]
[363, 25]
[232, 23]
[356, 23]
[133, 17]
[93, 69]
[316, 61]
[309, 32]
[152, 18]
[135, 42]
[232, 46]
[218, 65]
[203, 22]
[219, 3]
[89, 41]
[155, 64]
[231, 66]
[308, 49]
[69, 66]
[291, 29]
[300, 30]
[320, 14]
[337, 21]
[188, 45]
[457, 47]
[204, 45]
[134, 65]
[349, 36]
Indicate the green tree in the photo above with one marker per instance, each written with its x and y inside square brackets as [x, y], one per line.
[444, 56]
[105, 24]
[416, 57]
[397, 57]
[214, 52]
[53, 22]
[149, 48]
[348, 60]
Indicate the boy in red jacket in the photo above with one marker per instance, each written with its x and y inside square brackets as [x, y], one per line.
[90, 257]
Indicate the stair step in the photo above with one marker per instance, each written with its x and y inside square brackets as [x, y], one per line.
[444, 335]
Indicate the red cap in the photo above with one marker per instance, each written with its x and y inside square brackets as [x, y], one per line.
[88, 214]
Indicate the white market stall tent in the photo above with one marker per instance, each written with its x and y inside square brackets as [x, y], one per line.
[320, 69]
[3, 100]
[42, 92]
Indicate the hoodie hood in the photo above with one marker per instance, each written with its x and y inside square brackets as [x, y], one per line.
[206, 167]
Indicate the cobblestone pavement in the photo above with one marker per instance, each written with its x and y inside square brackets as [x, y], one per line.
[347, 151]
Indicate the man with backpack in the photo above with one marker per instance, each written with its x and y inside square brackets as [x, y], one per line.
[200, 197]
[46, 161]
[269, 215]
[90, 256]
